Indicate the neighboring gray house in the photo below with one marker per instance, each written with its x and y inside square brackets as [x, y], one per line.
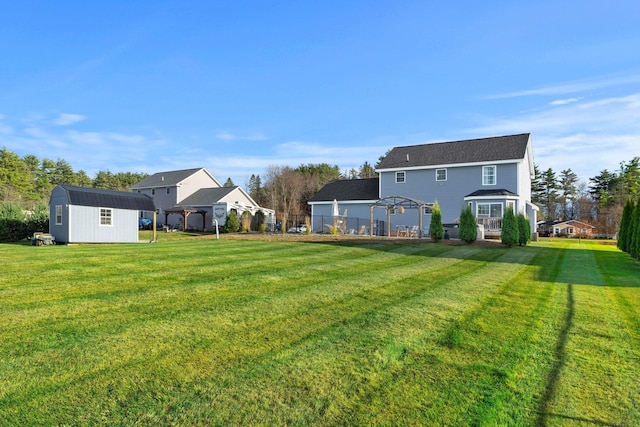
[193, 198]
[487, 174]
[94, 215]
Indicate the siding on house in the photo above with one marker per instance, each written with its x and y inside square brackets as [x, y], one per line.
[81, 215]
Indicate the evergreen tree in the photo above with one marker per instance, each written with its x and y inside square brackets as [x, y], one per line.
[509, 235]
[229, 183]
[538, 190]
[524, 231]
[231, 225]
[366, 171]
[625, 224]
[634, 232]
[568, 191]
[468, 226]
[550, 185]
[435, 228]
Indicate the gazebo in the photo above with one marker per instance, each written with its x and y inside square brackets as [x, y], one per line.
[399, 204]
[185, 211]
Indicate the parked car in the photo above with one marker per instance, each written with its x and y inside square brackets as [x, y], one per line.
[301, 228]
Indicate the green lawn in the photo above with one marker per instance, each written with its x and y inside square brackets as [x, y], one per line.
[198, 331]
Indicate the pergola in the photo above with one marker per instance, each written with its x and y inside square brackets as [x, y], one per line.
[399, 204]
[185, 211]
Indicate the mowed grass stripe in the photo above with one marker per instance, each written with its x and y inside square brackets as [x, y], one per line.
[167, 312]
[121, 358]
[588, 356]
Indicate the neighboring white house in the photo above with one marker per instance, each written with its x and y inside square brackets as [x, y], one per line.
[94, 215]
[487, 174]
[193, 198]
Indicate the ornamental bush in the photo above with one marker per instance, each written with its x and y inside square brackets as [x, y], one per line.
[509, 235]
[468, 226]
[231, 225]
[435, 228]
[524, 231]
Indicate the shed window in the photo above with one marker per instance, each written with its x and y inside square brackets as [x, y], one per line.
[400, 177]
[441, 174]
[58, 214]
[153, 191]
[488, 175]
[106, 216]
[168, 190]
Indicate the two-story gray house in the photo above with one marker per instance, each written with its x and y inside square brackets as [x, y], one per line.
[487, 174]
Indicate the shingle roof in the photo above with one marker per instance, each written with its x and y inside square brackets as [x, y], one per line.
[207, 196]
[165, 179]
[98, 197]
[510, 147]
[496, 192]
[348, 189]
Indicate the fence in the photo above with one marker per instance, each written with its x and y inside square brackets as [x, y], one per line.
[346, 225]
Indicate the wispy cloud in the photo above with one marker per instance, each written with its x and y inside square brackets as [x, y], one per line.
[229, 136]
[573, 87]
[586, 136]
[66, 119]
[564, 101]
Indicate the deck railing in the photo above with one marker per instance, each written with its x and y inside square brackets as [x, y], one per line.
[490, 224]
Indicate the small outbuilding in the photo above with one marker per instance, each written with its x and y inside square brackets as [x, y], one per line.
[95, 215]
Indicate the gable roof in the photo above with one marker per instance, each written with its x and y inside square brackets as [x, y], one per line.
[98, 197]
[169, 178]
[348, 189]
[207, 196]
[498, 148]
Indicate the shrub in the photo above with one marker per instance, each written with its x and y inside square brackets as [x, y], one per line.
[624, 235]
[245, 220]
[509, 234]
[231, 225]
[12, 223]
[468, 226]
[524, 231]
[258, 222]
[435, 227]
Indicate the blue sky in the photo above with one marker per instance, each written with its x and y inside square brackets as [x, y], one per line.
[235, 87]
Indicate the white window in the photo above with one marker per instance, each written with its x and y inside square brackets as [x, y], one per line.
[400, 177]
[488, 175]
[511, 204]
[106, 216]
[428, 210]
[58, 214]
[490, 210]
[441, 174]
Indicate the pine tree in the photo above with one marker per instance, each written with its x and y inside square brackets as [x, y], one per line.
[509, 234]
[625, 224]
[468, 226]
[435, 227]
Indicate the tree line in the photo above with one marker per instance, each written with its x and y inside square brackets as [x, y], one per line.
[27, 183]
[600, 202]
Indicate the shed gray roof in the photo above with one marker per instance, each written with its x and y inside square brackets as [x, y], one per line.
[348, 189]
[207, 196]
[510, 147]
[165, 179]
[98, 197]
